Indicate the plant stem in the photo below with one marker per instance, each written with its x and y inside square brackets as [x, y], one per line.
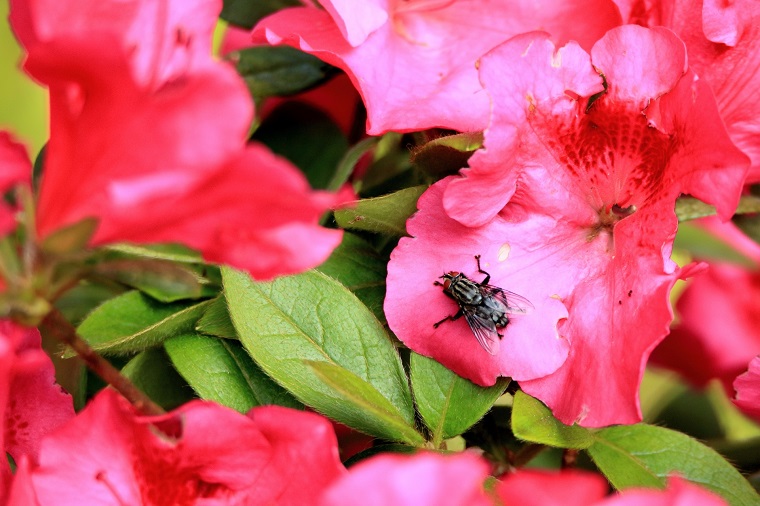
[57, 325]
[526, 454]
[569, 457]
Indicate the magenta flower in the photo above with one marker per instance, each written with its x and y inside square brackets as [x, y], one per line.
[31, 403]
[424, 479]
[201, 453]
[148, 136]
[413, 61]
[704, 348]
[570, 204]
[546, 488]
[747, 388]
[679, 493]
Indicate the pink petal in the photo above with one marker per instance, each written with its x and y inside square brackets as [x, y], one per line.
[417, 69]
[305, 457]
[679, 493]
[529, 487]
[424, 479]
[15, 168]
[747, 388]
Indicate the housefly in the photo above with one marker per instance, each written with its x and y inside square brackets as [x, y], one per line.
[485, 307]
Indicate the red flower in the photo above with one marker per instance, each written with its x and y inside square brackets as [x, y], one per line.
[702, 347]
[589, 223]
[419, 480]
[747, 388]
[547, 488]
[147, 136]
[679, 493]
[31, 403]
[15, 168]
[414, 61]
[201, 453]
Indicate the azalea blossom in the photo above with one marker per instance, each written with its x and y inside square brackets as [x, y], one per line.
[679, 492]
[717, 332]
[31, 403]
[747, 388]
[417, 480]
[570, 204]
[148, 136]
[722, 40]
[413, 61]
[570, 487]
[201, 453]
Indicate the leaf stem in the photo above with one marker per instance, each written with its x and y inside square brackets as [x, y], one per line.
[56, 325]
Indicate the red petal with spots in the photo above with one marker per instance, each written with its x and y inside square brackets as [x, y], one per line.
[34, 405]
[747, 388]
[425, 479]
[719, 316]
[414, 63]
[590, 221]
[201, 453]
[547, 488]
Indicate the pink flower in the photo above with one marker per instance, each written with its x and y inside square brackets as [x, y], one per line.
[547, 488]
[201, 453]
[414, 61]
[15, 168]
[719, 316]
[722, 41]
[147, 136]
[679, 493]
[31, 403]
[570, 205]
[419, 480]
[747, 388]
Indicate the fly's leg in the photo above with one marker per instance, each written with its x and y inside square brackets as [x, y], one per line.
[454, 317]
[488, 276]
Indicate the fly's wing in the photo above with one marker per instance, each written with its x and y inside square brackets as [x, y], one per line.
[515, 304]
[484, 330]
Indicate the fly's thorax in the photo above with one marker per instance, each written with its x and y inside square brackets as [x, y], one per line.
[464, 290]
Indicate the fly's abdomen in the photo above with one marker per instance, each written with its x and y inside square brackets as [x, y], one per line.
[466, 292]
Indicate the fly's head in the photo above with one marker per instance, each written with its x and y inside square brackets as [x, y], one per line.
[449, 278]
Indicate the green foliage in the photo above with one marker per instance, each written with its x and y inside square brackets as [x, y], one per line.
[152, 372]
[382, 215]
[246, 13]
[448, 404]
[216, 320]
[315, 338]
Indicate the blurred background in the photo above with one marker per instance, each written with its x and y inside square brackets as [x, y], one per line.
[23, 103]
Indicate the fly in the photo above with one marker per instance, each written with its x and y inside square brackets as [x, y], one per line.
[485, 307]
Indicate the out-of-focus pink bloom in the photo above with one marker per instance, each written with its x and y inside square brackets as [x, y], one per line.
[15, 168]
[414, 61]
[201, 453]
[147, 136]
[548, 488]
[747, 388]
[718, 330]
[679, 493]
[589, 223]
[580, 488]
[723, 40]
[32, 405]
[424, 479]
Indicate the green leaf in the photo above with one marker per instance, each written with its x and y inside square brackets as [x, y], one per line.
[348, 162]
[220, 370]
[357, 393]
[133, 322]
[384, 215]
[246, 13]
[533, 421]
[152, 372]
[216, 320]
[449, 404]
[163, 280]
[357, 265]
[644, 456]
[446, 155]
[170, 252]
[689, 208]
[704, 245]
[320, 144]
[71, 238]
[293, 321]
[271, 71]
[378, 449]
